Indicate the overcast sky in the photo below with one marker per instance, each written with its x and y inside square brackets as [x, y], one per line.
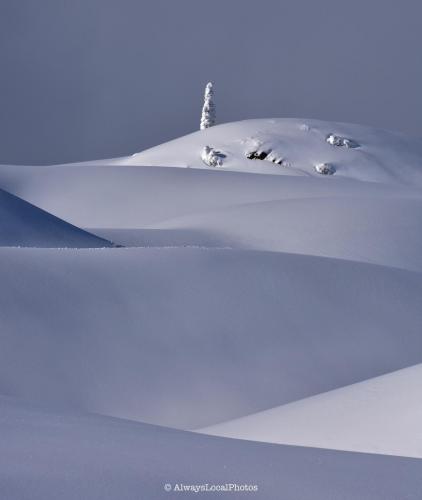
[86, 79]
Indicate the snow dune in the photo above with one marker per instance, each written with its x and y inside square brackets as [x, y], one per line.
[121, 331]
[147, 206]
[127, 197]
[24, 225]
[380, 415]
[360, 228]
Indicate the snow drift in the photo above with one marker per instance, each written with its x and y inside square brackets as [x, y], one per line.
[24, 225]
[121, 331]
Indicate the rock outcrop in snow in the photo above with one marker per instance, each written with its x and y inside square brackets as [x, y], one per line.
[268, 155]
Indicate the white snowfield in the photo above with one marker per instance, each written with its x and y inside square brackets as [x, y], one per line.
[257, 299]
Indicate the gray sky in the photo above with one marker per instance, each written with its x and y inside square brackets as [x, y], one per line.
[86, 79]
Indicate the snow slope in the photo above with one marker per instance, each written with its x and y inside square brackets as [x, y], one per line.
[381, 155]
[24, 225]
[332, 216]
[328, 217]
[121, 331]
[49, 455]
[359, 228]
[379, 415]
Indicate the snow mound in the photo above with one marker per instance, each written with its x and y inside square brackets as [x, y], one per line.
[361, 153]
[380, 415]
[25, 225]
[336, 140]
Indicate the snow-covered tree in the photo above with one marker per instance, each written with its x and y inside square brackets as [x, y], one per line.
[208, 110]
[211, 157]
[325, 168]
[337, 140]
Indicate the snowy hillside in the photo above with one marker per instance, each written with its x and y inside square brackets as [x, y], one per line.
[257, 299]
[354, 151]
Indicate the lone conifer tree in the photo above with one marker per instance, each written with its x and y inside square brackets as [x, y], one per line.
[208, 110]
